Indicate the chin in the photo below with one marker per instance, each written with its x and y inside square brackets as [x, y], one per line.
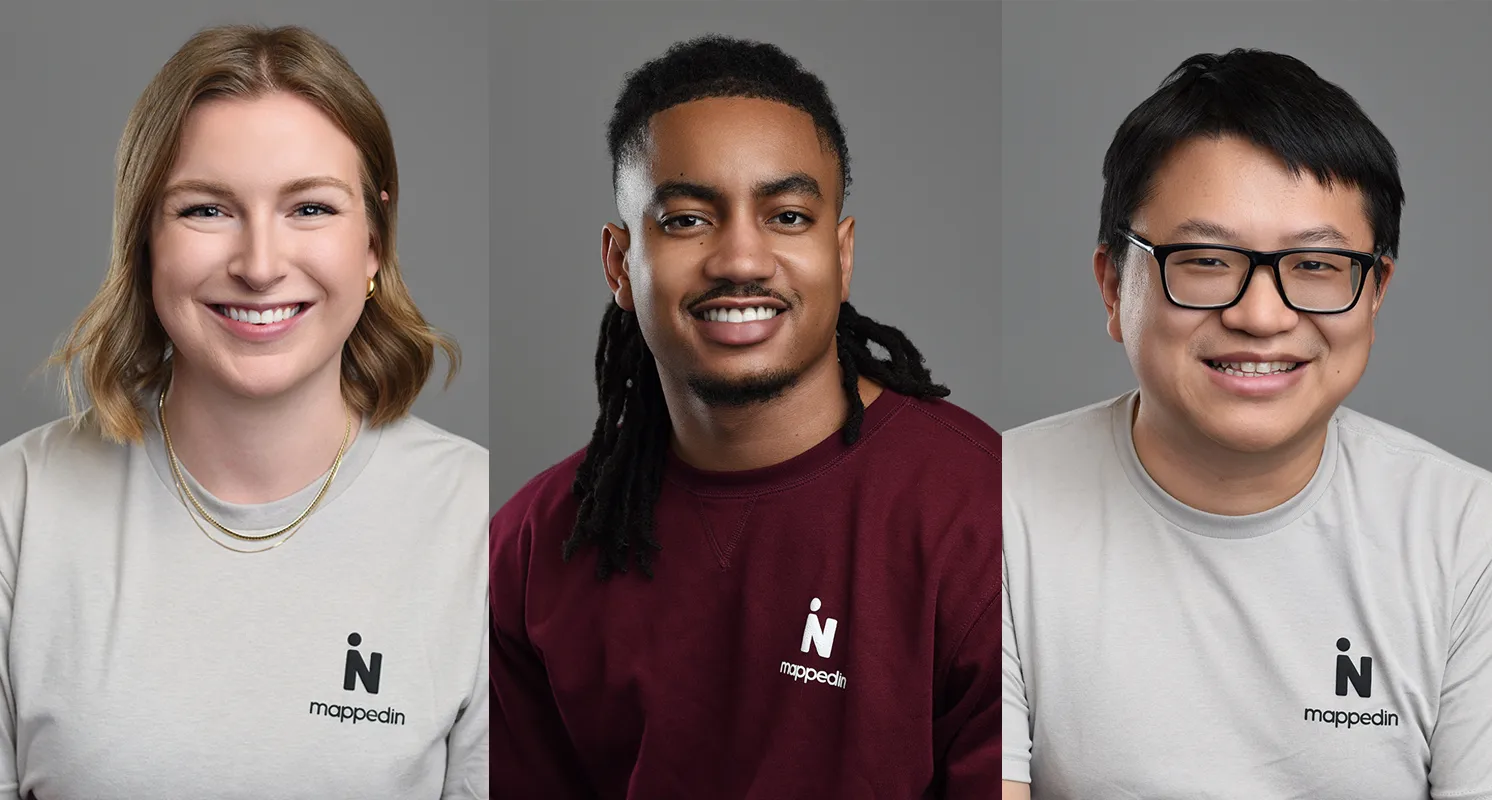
[1253, 436]
[739, 390]
[262, 383]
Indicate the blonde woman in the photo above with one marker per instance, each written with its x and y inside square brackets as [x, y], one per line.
[241, 568]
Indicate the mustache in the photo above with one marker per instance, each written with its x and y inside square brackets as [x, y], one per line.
[737, 291]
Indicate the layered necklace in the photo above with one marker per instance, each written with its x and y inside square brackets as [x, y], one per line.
[189, 499]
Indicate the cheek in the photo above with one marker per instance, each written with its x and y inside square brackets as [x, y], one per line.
[179, 259]
[339, 258]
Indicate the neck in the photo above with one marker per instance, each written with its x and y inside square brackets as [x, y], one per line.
[256, 450]
[763, 434]
[1209, 477]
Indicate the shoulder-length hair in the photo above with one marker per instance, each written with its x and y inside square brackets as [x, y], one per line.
[119, 352]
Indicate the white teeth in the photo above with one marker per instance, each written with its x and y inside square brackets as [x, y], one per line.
[757, 314]
[259, 317]
[1252, 369]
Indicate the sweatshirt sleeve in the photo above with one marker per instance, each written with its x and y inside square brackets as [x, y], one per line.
[13, 487]
[972, 765]
[1461, 744]
[532, 755]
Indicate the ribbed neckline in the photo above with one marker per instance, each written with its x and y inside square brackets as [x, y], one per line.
[1202, 523]
[802, 467]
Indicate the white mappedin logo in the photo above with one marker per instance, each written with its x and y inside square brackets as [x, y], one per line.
[821, 636]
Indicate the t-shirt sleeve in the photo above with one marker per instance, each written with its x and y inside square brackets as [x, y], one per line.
[13, 486]
[973, 752]
[468, 775]
[1015, 721]
[1461, 745]
[532, 755]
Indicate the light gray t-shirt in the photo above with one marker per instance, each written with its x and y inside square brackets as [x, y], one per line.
[1338, 646]
[139, 659]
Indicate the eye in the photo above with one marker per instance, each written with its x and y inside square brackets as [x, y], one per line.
[793, 218]
[1314, 266]
[313, 210]
[201, 212]
[682, 221]
[1206, 262]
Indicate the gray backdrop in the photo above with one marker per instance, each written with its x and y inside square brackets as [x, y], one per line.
[1072, 71]
[69, 73]
[916, 87]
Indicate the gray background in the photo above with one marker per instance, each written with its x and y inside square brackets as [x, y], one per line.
[69, 74]
[1070, 72]
[916, 87]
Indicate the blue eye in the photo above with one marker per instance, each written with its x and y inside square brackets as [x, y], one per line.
[201, 212]
[318, 209]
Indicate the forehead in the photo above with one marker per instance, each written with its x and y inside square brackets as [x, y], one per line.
[733, 142]
[263, 141]
[1240, 185]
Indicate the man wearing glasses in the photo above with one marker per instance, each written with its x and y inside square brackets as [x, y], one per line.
[1224, 584]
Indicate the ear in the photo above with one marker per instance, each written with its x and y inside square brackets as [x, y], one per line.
[1379, 290]
[614, 242]
[845, 231]
[1106, 272]
[1381, 287]
[372, 249]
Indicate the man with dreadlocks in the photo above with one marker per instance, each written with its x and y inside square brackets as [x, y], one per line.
[772, 571]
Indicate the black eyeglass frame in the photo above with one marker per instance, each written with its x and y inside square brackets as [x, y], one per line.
[1271, 259]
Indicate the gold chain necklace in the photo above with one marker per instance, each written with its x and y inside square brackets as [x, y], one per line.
[185, 492]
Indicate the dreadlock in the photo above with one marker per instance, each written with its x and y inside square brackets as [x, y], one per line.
[620, 478]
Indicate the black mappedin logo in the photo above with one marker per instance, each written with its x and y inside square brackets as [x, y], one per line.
[368, 672]
[357, 669]
[1359, 675]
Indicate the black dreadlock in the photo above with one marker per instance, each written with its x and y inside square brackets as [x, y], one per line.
[622, 474]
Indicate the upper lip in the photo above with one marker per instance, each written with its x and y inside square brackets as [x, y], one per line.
[1257, 358]
[260, 306]
[740, 302]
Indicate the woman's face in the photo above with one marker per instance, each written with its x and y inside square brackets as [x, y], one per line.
[260, 252]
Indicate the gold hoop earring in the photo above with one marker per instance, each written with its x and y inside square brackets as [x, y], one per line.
[372, 288]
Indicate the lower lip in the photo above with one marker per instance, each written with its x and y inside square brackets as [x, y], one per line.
[1258, 385]
[740, 334]
[248, 331]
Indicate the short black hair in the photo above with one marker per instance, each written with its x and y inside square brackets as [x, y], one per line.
[1272, 100]
[719, 66]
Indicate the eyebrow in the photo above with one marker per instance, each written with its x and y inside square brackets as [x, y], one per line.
[1325, 235]
[223, 190]
[796, 183]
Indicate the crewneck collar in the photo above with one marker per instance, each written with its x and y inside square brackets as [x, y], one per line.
[1202, 523]
[785, 474]
[263, 517]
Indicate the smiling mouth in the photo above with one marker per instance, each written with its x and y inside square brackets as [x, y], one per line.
[1253, 369]
[258, 317]
[752, 314]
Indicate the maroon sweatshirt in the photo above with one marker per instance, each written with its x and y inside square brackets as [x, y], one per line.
[822, 628]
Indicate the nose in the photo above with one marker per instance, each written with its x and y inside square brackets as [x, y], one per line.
[256, 261]
[742, 253]
[1262, 311]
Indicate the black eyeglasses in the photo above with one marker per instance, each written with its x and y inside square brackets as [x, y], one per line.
[1215, 276]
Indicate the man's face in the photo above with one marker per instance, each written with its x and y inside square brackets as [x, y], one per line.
[731, 256]
[1229, 191]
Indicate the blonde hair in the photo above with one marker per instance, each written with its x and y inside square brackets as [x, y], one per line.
[118, 350]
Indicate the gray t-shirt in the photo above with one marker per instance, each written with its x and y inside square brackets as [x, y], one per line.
[139, 659]
[1337, 646]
